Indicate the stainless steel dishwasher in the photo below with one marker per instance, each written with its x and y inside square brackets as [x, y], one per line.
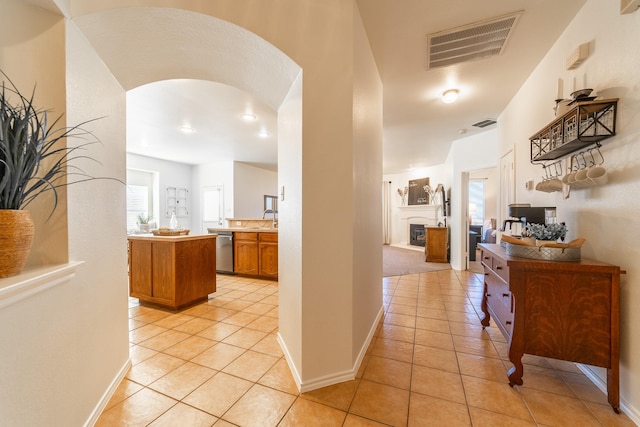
[224, 252]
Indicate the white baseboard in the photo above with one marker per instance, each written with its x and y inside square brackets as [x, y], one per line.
[629, 410]
[102, 403]
[336, 377]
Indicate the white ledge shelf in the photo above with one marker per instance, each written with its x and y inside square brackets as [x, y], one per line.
[34, 281]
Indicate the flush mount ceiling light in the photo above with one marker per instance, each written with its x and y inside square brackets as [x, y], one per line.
[187, 129]
[450, 96]
[248, 117]
[263, 134]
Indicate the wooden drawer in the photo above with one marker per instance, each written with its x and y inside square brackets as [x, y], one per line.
[499, 290]
[241, 235]
[499, 301]
[501, 268]
[268, 237]
[486, 259]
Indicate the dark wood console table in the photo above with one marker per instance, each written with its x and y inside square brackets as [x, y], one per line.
[561, 310]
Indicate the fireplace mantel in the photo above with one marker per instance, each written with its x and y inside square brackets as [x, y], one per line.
[418, 214]
[428, 211]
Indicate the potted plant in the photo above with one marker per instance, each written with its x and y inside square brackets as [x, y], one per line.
[143, 222]
[546, 232]
[34, 159]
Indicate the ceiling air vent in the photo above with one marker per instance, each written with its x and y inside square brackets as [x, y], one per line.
[475, 41]
[484, 123]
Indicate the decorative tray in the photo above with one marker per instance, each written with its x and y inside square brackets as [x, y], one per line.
[167, 232]
[542, 252]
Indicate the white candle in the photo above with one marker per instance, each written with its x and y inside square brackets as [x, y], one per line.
[559, 94]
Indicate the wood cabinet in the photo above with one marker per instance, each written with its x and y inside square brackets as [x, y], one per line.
[245, 256]
[256, 254]
[172, 271]
[436, 247]
[268, 255]
[561, 310]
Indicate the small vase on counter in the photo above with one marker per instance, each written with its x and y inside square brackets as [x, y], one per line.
[173, 222]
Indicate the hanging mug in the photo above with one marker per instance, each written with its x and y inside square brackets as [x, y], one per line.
[598, 175]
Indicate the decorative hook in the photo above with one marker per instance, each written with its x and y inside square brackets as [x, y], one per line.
[601, 156]
[584, 159]
[558, 168]
[575, 162]
[593, 159]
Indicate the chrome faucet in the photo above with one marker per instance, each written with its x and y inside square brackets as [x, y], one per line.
[275, 216]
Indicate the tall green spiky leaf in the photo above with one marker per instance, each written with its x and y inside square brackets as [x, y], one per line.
[34, 158]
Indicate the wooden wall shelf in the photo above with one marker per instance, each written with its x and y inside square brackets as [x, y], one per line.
[585, 124]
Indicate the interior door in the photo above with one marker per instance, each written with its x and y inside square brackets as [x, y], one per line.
[507, 184]
[212, 207]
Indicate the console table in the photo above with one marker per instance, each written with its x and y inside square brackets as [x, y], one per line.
[561, 310]
[436, 247]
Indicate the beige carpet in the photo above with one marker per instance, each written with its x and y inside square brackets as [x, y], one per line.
[398, 261]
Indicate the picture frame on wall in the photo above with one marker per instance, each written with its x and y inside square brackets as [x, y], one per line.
[417, 194]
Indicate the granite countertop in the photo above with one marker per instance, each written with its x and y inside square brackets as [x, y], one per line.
[172, 238]
[242, 229]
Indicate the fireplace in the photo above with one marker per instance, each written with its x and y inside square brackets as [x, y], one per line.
[416, 235]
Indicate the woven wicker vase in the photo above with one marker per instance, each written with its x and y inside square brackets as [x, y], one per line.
[16, 236]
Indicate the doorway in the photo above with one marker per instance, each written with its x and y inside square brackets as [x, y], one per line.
[212, 207]
[481, 205]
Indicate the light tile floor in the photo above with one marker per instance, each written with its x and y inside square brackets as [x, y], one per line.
[429, 364]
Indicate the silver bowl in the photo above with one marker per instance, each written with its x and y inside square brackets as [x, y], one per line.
[582, 93]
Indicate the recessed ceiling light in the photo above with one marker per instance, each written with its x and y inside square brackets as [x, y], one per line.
[264, 134]
[450, 96]
[248, 117]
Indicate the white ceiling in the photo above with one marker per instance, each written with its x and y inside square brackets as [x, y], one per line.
[158, 112]
[418, 127]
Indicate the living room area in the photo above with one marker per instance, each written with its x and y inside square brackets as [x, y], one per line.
[418, 223]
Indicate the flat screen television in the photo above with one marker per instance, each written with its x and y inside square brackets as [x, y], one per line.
[445, 201]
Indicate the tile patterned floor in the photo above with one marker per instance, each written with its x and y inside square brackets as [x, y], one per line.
[429, 364]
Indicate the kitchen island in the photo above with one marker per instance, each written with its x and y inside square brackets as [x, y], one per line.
[172, 272]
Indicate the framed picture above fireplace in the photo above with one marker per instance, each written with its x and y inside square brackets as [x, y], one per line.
[417, 194]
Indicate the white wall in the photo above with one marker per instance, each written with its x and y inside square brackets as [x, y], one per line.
[171, 174]
[366, 296]
[251, 184]
[606, 216]
[94, 312]
[290, 227]
[38, 62]
[64, 347]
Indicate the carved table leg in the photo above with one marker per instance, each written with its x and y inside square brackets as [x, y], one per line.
[613, 388]
[516, 371]
[483, 306]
